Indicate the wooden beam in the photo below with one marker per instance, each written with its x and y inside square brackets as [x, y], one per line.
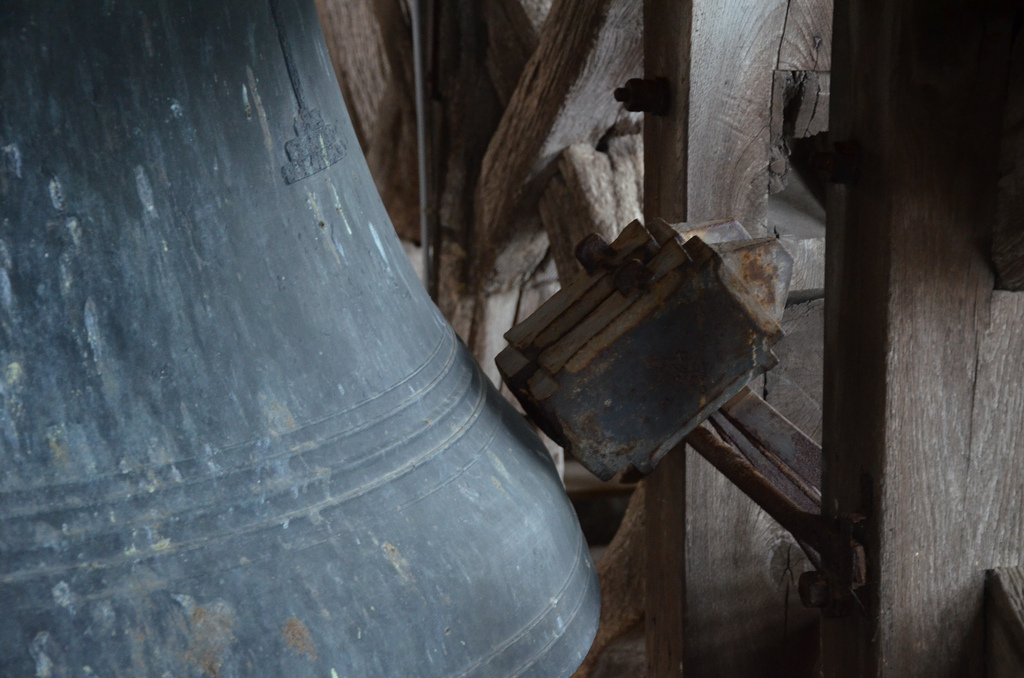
[593, 192]
[1008, 242]
[586, 49]
[807, 36]
[735, 49]
[743, 613]
[1004, 623]
[924, 366]
[667, 31]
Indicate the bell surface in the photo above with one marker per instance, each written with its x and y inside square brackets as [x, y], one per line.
[236, 437]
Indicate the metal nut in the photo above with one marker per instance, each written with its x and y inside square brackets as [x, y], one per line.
[594, 253]
[643, 95]
[814, 589]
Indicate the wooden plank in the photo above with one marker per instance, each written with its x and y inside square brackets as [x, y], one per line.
[793, 387]
[735, 48]
[563, 97]
[1008, 241]
[513, 31]
[807, 37]
[593, 192]
[744, 617]
[667, 35]
[586, 49]
[923, 365]
[1004, 623]
[808, 281]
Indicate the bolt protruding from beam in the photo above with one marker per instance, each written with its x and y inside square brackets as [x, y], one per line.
[594, 253]
[647, 96]
[814, 589]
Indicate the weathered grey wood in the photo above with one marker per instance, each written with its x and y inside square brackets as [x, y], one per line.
[1008, 241]
[807, 38]
[735, 49]
[563, 97]
[513, 31]
[593, 192]
[743, 614]
[806, 95]
[800, 103]
[667, 54]
[1004, 623]
[793, 387]
[808, 281]
[923, 411]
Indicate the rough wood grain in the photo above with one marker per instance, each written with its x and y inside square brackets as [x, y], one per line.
[735, 48]
[793, 387]
[807, 37]
[1004, 623]
[563, 97]
[744, 617]
[808, 281]
[513, 31]
[922, 395]
[800, 103]
[593, 192]
[667, 52]
[1008, 241]
[587, 48]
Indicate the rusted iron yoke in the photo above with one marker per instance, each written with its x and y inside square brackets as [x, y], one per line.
[652, 348]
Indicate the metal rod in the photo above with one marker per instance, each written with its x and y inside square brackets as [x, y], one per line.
[426, 241]
[807, 527]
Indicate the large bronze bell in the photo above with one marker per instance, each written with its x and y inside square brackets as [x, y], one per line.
[236, 438]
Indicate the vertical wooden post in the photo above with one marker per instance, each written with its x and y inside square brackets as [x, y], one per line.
[924, 365]
[744, 617]
[666, 55]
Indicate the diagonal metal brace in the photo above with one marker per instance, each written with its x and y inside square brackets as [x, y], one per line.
[779, 468]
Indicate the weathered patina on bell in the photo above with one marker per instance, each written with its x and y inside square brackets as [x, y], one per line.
[236, 438]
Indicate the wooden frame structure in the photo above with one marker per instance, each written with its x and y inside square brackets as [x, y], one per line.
[924, 386]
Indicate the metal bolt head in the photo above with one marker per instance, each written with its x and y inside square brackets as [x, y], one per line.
[594, 253]
[814, 589]
[647, 96]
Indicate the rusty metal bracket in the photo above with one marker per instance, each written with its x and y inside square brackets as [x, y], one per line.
[654, 346]
[779, 468]
[622, 363]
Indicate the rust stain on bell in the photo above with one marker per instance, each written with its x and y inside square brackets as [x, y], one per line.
[211, 636]
[298, 637]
